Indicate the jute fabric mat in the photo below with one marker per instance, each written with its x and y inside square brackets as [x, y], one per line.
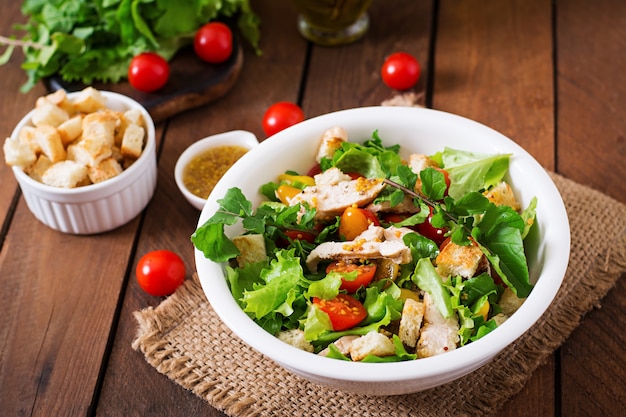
[184, 339]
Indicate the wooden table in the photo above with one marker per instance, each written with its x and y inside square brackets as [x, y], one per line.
[549, 74]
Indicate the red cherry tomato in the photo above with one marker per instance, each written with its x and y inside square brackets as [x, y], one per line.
[160, 272]
[280, 116]
[213, 42]
[355, 221]
[300, 235]
[400, 71]
[365, 274]
[426, 229]
[148, 72]
[344, 311]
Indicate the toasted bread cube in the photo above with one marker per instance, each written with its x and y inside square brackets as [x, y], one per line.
[411, 322]
[460, 260]
[373, 343]
[28, 136]
[47, 113]
[106, 169]
[17, 153]
[89, 100]
[40, 166]
[295, 337]
[331, 141]
[60, 99]
[252, 248]
[502, 194]
[132, 142]
[50, 142]
[71, 129]
[89, 152]
[65, 174]
[100, 127]
[510, 302]
[130, 117]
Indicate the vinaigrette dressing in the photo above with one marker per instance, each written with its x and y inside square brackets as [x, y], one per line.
[205, 170]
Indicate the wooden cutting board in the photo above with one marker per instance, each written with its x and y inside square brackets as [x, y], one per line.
[192, 83]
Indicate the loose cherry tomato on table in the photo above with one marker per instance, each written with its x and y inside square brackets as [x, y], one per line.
[213, 42]
[160, 272]
[355, 221]
[148, 72]
[365, 274]
[280, 116]
[400, 71]
[344, 311]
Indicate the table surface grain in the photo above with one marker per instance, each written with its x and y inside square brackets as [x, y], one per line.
[549, 74]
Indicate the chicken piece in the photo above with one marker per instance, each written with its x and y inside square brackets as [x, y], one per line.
[460, 260]
[332, 176]
[411, 321]
[417, 163]
[406, 206]
[374, 243]
[439, 334]
[332, 200]
[342, 344]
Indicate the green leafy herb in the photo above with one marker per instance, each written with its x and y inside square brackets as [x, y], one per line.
[95, 40]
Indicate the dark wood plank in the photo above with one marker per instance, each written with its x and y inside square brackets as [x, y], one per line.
[592, 150]
[592, 93]
[170, 220]
[493, 65]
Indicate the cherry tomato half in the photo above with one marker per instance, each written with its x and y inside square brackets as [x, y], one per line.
[148, 72]
[300, 235]
[160, 272]
[213, 42]
[400, 71]
[280, 116]
[344, 311]
[355, 221]
[365, 274]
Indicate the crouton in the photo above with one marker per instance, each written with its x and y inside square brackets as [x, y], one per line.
[418, 162]
[502, 194]
[106, 169]
[330, 142]
[132, 142]
[460, 260]
[251, 248]
[129, 117]
[65, 174]
[17, 153]
[49, 114]
[59, 98]
[50, 142]
[70, 130]
[100, 127]
[89, 151]
[411, 322]
[510, 302]
[89, 100]
[295, 337]
[36, 170]
[373, 343]
[28, 136]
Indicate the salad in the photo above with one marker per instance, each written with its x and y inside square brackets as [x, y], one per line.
[375, 258]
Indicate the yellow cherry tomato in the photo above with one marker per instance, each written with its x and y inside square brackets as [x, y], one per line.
[286, 192]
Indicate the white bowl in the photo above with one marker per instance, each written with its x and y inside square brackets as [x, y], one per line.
[98, 207]
[416, 130]
[233, 138]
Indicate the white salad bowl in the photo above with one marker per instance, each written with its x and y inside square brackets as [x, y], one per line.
[100, 207]
[241, 138]
[416, 130]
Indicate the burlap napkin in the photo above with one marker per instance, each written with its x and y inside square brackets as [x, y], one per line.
[184, 339]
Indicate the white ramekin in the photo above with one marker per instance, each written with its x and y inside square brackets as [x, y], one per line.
[98, 207]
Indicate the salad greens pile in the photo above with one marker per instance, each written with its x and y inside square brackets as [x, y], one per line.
[277, 292]
[95, 40]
